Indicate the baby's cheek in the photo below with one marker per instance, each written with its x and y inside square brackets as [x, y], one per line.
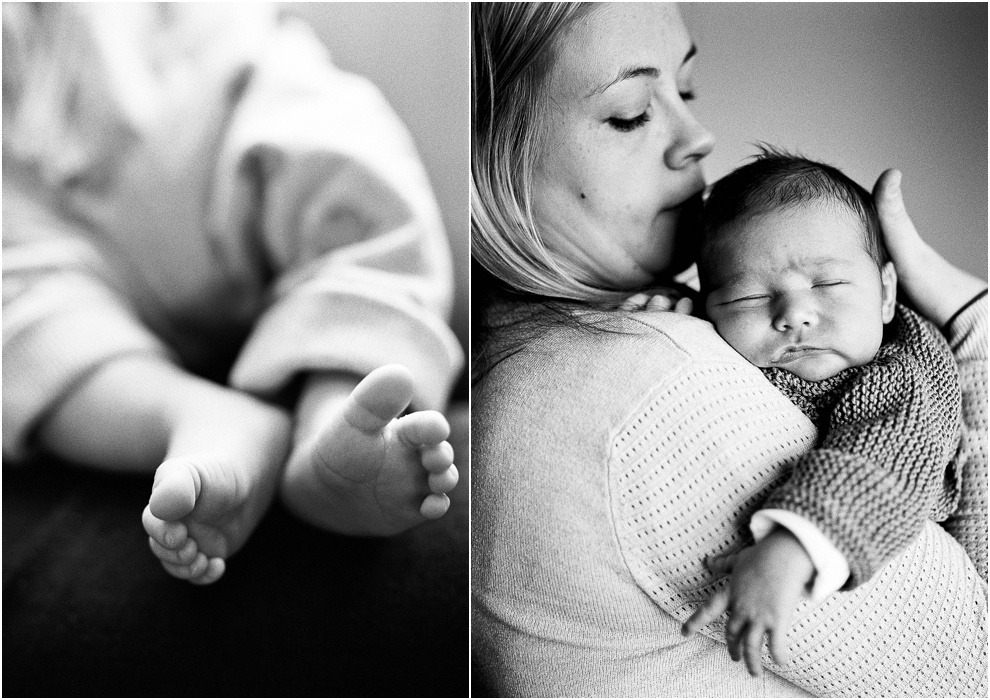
[739, 334]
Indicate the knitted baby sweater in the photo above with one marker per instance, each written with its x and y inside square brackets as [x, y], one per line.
[606, 466]
[888, 431]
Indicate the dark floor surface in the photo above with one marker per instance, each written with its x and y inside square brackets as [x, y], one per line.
[87, 610]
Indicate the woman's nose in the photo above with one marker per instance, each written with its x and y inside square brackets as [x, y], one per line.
[794, 313]
[691, 140]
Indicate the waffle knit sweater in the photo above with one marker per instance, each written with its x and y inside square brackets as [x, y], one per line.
[607, 466]
[888, 431]
[199, 181]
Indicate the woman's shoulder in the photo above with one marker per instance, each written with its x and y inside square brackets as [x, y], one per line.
[646, 334]
[608, 360]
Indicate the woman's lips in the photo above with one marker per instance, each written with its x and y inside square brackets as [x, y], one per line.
[691, 198]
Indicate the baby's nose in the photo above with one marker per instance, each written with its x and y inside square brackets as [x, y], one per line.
[795, 314]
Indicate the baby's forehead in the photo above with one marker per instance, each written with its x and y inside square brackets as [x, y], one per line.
[762, 242]
[797, 217]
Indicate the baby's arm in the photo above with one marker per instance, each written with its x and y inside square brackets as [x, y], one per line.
[766, 582]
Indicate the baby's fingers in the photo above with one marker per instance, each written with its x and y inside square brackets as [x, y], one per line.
[684, 306]
[659, 302]
[753, 649]
[721, 563]
[711, 610]
[778, 644]
[635, 302]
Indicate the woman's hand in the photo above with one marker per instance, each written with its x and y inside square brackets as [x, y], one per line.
[767, 582]
[935, 287]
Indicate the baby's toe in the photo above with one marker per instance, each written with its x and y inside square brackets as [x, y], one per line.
[422, 428]
[437, 458]
[183, 556]
[214, 570]
[379, 398]
[191, 571]
[434, 506]
[173, 495]
[444, 481]
[170, 535]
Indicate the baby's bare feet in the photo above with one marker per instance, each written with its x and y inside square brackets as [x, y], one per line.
[369, 472]
[205, 503]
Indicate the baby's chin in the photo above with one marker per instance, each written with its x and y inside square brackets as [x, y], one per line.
[815, 369]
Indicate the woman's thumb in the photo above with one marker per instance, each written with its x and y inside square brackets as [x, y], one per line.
[890, 205]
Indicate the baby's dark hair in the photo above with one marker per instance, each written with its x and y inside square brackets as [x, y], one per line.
[776, 179]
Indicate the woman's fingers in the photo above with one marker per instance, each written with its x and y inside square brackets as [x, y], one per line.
[710, 611]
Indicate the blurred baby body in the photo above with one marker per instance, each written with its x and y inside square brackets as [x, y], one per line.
[195, 190]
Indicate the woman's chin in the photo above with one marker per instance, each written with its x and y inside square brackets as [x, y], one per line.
[680, 227]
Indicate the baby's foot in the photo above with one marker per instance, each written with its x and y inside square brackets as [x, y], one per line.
[204, 505]
[368, 471]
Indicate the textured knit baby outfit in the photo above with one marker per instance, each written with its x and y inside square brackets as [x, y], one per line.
[606, 466]
[888, 432]
[199, 182]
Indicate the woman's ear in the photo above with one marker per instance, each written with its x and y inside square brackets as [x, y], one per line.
[888, 291]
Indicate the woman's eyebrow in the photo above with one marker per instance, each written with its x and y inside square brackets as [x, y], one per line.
[626, 74]
[638, 71]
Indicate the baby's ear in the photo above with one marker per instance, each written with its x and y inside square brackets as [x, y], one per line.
[888, 291]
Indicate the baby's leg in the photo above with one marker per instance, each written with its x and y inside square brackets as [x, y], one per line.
[223, 455]
[363, 470]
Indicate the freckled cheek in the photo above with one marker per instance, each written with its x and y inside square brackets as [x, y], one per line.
[615, 189]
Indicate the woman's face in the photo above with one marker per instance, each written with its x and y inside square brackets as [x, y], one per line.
[620, 165]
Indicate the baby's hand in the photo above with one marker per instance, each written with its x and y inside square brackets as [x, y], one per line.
[658, 299]
[767, 582]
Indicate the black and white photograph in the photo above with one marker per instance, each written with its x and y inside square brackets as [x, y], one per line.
[495, 349]
[729, 333]
[235, 263]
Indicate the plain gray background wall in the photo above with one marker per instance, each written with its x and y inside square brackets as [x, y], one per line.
[418, 55]
[863, 86]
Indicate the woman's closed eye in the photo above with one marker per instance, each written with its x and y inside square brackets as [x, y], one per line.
[620, 124]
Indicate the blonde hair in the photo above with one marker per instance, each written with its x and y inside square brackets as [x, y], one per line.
[512, 52]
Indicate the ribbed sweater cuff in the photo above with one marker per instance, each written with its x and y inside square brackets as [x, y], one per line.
[335, 329]
[967, 330]
[44, 361]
